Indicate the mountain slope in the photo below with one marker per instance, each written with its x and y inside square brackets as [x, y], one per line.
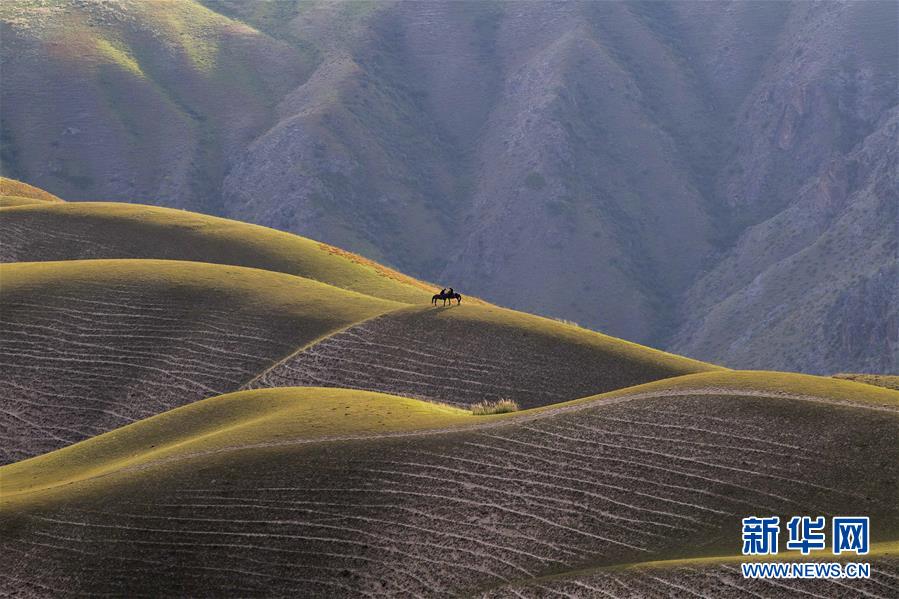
[661, 471]
[820, 279]
[163, 94]
[629, 153]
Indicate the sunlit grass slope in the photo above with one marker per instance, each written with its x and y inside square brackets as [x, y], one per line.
[270, 291]
[12, 187]
[284, 416]
[13, 201]
[469, 354]
[266, 417]
[879, 380]
[768, 383]
[588, 361]
[88, 346]
[74, 230]
[322, 491]
[565, 334]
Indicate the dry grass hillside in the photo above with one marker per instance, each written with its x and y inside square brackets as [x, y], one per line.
[307, 492]
[880, 380]
[481, 353]
[88, 346]
[18, 189]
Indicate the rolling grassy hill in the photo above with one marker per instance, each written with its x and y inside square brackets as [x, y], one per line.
[341, 492]
[88, 346]
[713, 577]
[194, 406]
[78, 230]
[13, 201]
[16, 193]
[480, 353]
[879, 380]
[13, 188]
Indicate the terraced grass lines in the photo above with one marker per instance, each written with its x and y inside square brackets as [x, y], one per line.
[471, 354]
[325, 476]
[269, 417]
[88, 346]
[624, 478]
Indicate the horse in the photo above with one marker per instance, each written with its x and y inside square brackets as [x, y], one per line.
[447, 296]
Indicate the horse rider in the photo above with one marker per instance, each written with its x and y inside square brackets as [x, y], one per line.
[443, 292]
[451, 292]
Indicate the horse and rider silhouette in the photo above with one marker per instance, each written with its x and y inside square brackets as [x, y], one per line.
[447, 295]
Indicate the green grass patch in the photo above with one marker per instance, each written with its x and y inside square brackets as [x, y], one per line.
[119, 54]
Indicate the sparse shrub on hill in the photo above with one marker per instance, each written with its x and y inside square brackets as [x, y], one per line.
[500, 406]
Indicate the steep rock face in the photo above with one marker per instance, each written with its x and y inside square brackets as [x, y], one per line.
[644, 167]
[374, 150]
[563, 216]
[817, 285]
[828, 81]
[808, 285]
[867, 323]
